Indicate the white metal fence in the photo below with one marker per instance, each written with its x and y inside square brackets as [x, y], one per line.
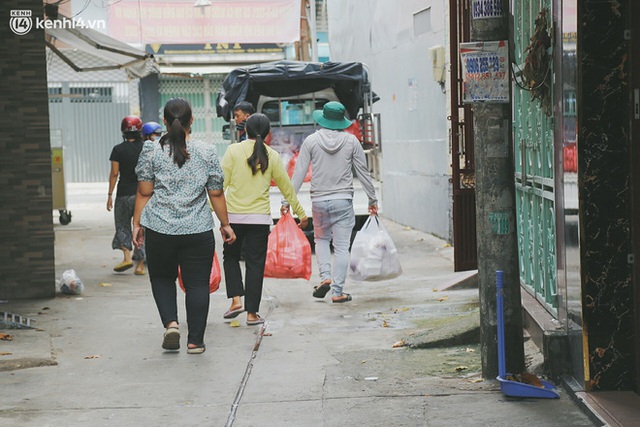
[87, 115]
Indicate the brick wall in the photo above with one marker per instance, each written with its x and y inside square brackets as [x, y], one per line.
[26, 223]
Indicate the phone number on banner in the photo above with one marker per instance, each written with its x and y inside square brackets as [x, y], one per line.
[482, 63]
[487, 9]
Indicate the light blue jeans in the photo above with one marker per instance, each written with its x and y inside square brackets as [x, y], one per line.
[333, 220]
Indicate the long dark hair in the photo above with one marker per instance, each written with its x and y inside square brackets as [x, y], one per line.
[177, 113]
[258, 127]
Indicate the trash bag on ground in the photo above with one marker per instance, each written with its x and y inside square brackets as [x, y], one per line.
[374, 256]
[70, 283]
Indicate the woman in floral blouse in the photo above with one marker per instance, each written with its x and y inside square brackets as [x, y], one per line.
[173, 219]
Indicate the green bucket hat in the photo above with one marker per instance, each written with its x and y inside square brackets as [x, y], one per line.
[332, 116]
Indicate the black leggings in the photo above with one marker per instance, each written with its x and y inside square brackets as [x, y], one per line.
[194, 254]
[251, 241]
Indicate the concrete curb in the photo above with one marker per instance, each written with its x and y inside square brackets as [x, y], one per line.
[461, 330]
[29, 348]
[25, 362]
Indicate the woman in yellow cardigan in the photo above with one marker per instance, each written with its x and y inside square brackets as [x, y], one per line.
[249, 166]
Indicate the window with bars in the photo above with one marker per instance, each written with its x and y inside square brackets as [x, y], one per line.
[322, 24]
[55, 94]
[570, 102]
[294, 112]
[91, 94]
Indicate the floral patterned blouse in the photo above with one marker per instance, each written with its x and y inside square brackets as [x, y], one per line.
[179, 203]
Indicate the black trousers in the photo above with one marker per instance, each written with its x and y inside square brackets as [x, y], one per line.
[194, 254]
[251, 241]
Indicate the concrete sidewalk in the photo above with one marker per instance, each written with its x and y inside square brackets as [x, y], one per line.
[95, 359]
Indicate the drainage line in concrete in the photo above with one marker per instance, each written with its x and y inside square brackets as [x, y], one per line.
[245, 378]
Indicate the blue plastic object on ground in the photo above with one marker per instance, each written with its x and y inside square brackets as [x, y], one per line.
[508, 387]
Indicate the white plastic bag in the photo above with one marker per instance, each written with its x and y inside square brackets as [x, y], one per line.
[373, 255]
[70, 283]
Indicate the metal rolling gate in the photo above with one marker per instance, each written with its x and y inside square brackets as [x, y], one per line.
[534, 176]
[88, 116]
[201, 92]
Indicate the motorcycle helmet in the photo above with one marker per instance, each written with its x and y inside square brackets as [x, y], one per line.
[131, 124]
[151, 127]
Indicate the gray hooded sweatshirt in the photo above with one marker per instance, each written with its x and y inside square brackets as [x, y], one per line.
[334, 156]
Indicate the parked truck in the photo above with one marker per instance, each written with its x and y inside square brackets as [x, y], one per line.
[288, 92]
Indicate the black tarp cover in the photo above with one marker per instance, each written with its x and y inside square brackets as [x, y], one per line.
[289, 78]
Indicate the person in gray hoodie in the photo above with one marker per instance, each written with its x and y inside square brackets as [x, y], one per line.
[333, 155]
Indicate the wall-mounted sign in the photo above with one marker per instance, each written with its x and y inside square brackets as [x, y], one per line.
[213, 48]
[499, 222]
[483, 9]
[485, 71]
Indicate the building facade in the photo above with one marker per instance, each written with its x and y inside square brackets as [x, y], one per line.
[574, 133]
[394, 41]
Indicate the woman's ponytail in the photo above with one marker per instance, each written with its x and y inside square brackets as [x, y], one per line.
[177, 113]
[258, 127]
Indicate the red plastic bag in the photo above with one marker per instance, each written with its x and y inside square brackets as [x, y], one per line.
[355, 130]
[288, 251]
[570, 158]
[214, 278]
[292, 167]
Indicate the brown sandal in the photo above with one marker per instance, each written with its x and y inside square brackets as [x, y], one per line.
[197, 349]
[258, 321]
[232, 314]
[342, 298]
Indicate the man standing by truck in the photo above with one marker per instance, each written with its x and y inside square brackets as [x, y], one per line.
[241, 113]
[333, 155]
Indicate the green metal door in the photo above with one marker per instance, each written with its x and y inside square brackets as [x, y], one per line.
[533, 148]
[201, 92]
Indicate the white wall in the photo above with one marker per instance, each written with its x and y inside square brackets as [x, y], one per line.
[416, 159]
